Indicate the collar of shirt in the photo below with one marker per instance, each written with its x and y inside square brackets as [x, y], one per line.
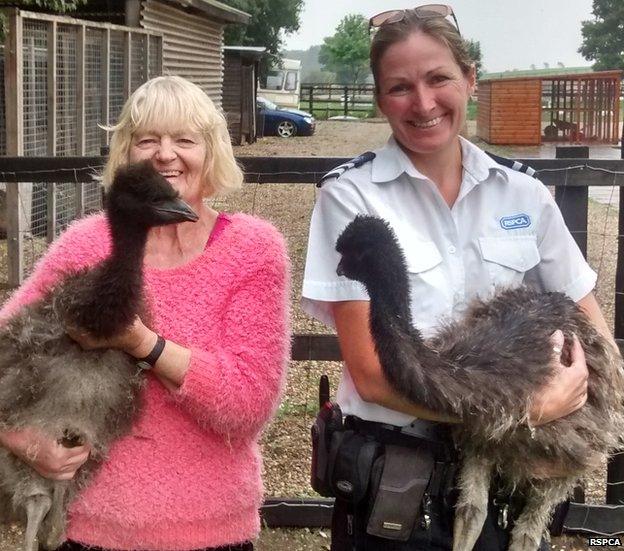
[391, 161]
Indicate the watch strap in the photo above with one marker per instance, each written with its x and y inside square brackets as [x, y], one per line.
[153, 356]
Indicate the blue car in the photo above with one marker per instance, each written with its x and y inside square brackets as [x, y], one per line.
[283, 122]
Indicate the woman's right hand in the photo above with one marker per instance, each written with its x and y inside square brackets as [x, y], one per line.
[46, 456]
[567, 390]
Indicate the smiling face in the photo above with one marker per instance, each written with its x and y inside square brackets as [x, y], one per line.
[179, 156]
[423, 93]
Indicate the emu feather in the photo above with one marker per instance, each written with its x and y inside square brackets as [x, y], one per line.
[47, 381]
[484, 369]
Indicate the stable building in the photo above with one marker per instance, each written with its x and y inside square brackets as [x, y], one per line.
[556, 107]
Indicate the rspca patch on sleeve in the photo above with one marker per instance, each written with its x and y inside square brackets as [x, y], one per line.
[515, 221]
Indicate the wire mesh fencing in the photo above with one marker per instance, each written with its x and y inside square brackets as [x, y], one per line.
[289, 207]
[72, 77]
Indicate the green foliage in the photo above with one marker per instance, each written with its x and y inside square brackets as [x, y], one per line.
[603, 38]
[346, 52]
[474, 50]
[55, 6]
[269, 19]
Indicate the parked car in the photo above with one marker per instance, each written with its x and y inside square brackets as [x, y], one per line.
[283, 122]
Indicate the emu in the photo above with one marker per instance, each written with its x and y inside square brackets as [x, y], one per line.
[483, 369]
[73, 395]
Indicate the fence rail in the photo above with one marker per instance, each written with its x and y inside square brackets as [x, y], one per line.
[570, 177]
[327, 100]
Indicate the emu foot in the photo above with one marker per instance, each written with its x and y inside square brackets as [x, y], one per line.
[37, 507]
[467, 527]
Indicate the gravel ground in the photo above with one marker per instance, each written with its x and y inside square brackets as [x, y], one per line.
[286, 447]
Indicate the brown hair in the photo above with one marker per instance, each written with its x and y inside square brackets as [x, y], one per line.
[436, 27]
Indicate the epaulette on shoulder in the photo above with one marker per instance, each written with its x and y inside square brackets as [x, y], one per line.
[353, 163]
[514, 165]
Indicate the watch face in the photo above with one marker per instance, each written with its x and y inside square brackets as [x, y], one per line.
[143, 365]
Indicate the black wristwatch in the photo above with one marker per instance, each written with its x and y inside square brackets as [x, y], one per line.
[150, 360]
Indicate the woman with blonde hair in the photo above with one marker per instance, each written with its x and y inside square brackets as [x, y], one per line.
[187, 477]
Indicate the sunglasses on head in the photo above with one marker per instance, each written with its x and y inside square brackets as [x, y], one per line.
[422, 12]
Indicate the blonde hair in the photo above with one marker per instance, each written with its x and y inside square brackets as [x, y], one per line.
[172, 104]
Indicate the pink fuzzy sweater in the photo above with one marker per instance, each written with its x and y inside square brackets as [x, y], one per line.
[188, 474]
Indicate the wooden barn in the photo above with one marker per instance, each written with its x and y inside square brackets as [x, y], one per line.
[240, 82]
[530, 110]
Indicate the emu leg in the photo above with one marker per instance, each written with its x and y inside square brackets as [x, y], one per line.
[53, 528]
[37, 506]
[471, 509]
[541, 500]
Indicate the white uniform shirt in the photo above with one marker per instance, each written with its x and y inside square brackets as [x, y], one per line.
[503, 230]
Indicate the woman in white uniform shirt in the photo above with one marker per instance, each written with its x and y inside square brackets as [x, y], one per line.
[466, 224]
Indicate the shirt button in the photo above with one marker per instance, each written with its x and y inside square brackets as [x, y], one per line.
[452, 249]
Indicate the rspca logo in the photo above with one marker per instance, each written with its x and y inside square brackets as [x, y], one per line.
[515, 221]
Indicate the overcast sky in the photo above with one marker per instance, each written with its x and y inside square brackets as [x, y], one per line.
[513, 33]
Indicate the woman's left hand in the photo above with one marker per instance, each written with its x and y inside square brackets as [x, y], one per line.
[134, 339]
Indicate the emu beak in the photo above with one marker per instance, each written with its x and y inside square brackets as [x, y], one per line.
[340, 269]
[175, 210]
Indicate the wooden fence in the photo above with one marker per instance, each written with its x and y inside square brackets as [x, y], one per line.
[571, 179]
[328, 100]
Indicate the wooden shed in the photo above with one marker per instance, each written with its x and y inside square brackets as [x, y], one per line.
[192, 38]
[528, 110]
[240, 82]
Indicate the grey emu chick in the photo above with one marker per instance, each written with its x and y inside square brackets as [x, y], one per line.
[73, 395]
[484, 369]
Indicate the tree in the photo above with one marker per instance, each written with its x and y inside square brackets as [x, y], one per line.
[346, 52]
[474, 51]
[56, 6]
[269, 19]
[603, 38]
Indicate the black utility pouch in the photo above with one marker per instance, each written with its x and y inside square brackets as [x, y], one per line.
[327, 423]
[350, 462]
[397, 501]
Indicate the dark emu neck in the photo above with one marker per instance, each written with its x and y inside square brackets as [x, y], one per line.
[106, 299]
[408, 364]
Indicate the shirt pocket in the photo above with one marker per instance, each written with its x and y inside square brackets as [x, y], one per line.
[427, 281]
[507, 259]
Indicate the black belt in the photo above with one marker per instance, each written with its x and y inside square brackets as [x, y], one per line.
[416, 433]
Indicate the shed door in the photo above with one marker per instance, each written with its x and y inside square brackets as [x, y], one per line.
[248, 100]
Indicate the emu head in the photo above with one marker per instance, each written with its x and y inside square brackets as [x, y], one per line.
[371, 253]
[140, 196]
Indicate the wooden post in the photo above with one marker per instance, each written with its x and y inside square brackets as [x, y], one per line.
[346, 100]
[573, 200]
[106, 83]
[311, 99]
[14, 105]
[52, 111]
[80, 113]
[147, 57]
[127, 64]
[615, 466]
